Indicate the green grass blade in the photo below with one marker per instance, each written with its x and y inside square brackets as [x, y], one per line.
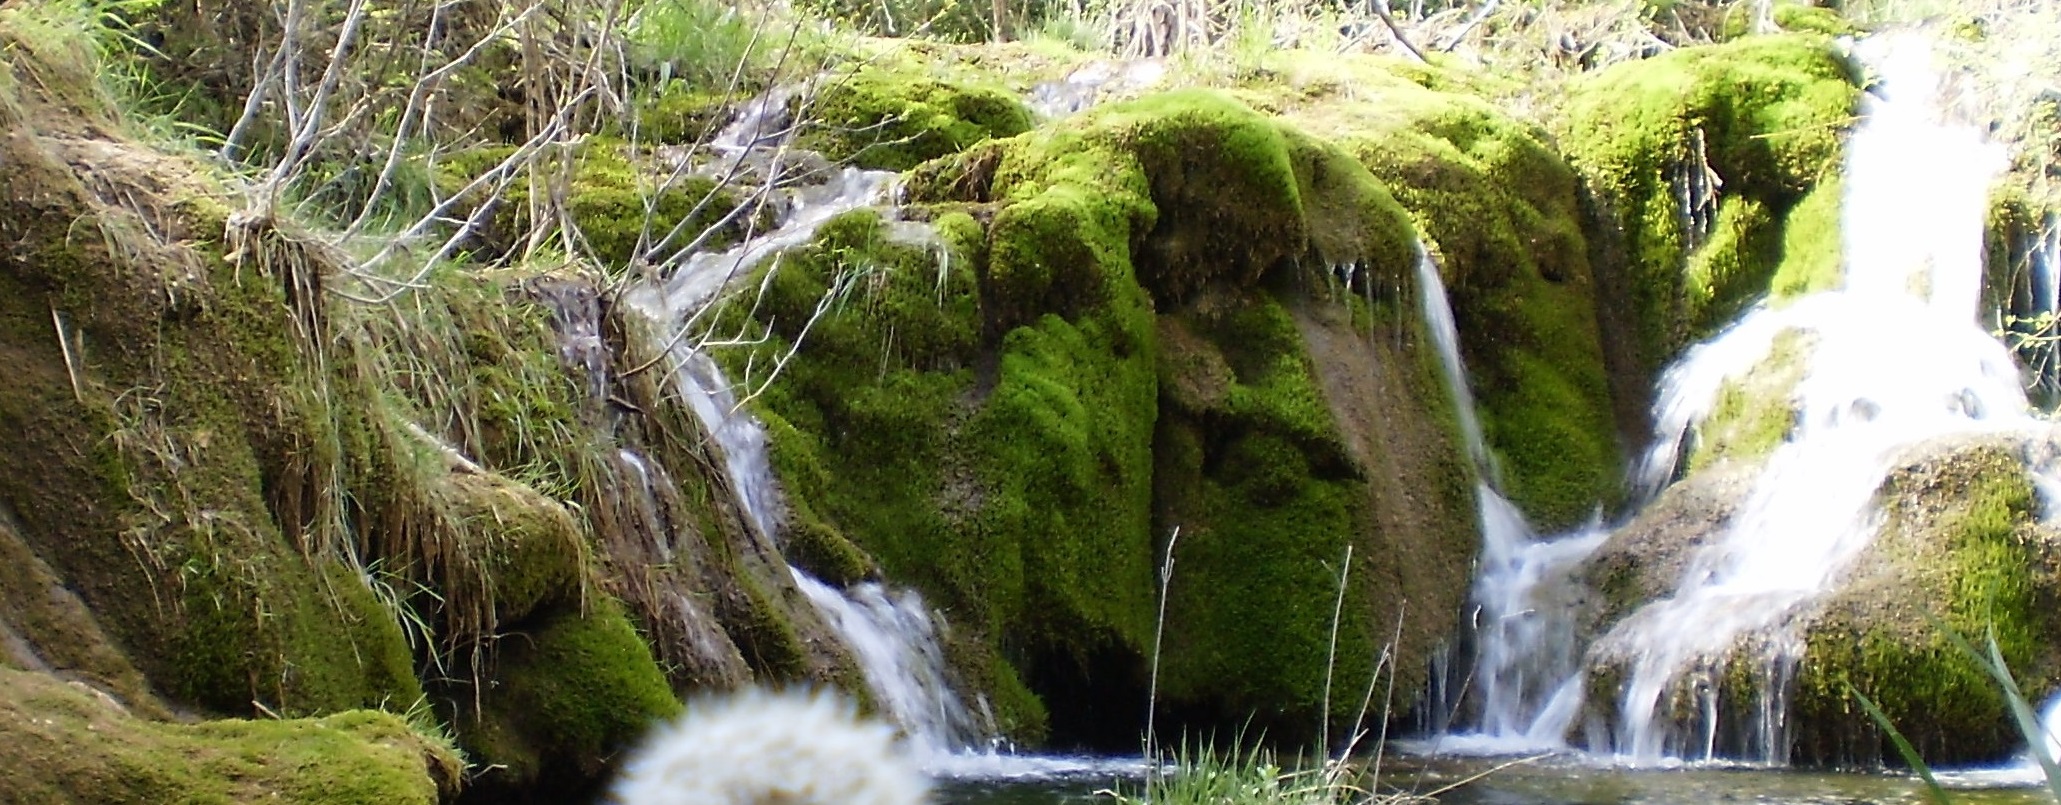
[2021, 711]
[1903, 746]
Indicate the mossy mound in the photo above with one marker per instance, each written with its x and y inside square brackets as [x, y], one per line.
[169, 441]
[884, 119]
[1291, 430]
[65, 744]
[568, 694]
[1700, 160]
[1502, 213]
[994, 427]
[1961, 549]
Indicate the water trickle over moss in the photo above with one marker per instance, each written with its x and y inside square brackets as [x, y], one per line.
[1501, 211]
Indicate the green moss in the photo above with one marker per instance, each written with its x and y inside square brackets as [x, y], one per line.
[624, 203]
[1813, 251]
[569, 694]
[886, 120]
[1807, 18]
[1766, 115]
[1959, 538]
[678, 112]
[64, 745]
[1502, 213]
[989, 426]
[1268, 497]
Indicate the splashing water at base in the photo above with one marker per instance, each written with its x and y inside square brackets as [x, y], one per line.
[895, 640]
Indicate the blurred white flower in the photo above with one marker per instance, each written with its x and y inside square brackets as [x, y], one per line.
[760, 748]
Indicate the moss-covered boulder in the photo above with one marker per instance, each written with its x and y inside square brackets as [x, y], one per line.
[1708, 168]
[1963, 551]
[1137, 329]
[568, 696]
[1502, 213]
[1960, 550]
[64, 744]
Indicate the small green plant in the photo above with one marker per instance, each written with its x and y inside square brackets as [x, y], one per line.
[1205, 775]
[698, 41]
[2022, 715]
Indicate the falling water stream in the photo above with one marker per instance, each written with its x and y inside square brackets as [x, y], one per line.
[1893, 358]
[890, 631]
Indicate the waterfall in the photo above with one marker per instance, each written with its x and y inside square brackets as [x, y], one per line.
[890, 633]
[1445, 336]
[1893, 358]
[1525, 652]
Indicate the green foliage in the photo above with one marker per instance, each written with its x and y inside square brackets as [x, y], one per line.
[623, 201]
[1769, 114]
[949, 20]
[1205, 775]
[701, 42]
[2023, 717]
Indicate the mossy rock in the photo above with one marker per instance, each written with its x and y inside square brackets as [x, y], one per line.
[1766, 118]
[1756, 412]
[563, 699]
[988, 426]
[1962, 550]
[893, 120]
[190, 520]
[1268, 497]
[680, 113]
[65, 743]
[1207, 190]
[1502, 213]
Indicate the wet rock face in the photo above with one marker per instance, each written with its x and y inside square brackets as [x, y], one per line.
[1643, 560]
[1962, 549]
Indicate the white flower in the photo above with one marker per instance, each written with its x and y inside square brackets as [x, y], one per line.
[761, 748]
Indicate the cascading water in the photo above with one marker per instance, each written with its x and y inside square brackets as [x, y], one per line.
[890, 632]
[1893, 358]
[1525, 647]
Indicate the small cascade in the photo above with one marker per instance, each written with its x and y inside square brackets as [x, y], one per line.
[897, 644]
[1525, 650]
[1445, 335]
[890, 633]
[1894, 358]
